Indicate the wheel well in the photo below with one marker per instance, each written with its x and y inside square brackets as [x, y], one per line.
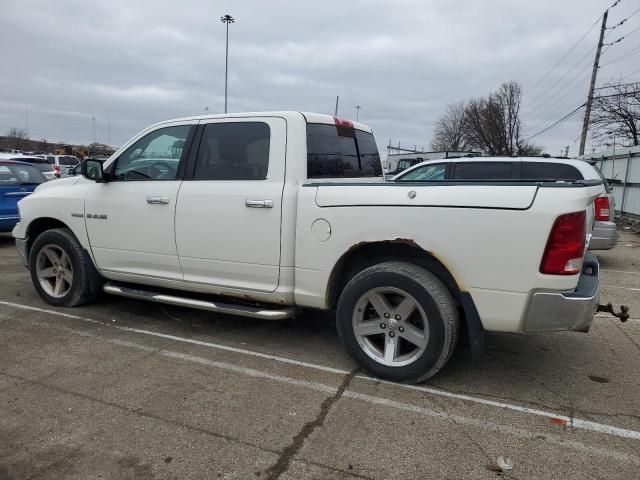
[41, 225]
[365, 255]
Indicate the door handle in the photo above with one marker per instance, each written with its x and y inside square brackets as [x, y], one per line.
[157, 200]
[259, 203]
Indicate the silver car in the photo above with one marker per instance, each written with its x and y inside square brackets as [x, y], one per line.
[604, 234]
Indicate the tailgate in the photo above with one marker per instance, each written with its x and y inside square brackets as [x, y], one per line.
[515, 197]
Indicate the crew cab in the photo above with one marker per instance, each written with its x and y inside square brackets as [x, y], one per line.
[258, 214]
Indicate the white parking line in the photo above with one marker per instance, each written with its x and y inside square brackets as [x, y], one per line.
[555, 418]
[623, 288]
[553, 439]
[619, 271]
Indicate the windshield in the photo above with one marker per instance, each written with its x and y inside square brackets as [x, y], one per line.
[11, 175]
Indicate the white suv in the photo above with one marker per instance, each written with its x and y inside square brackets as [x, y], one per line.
[604, 233]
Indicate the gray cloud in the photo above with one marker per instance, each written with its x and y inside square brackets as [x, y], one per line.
[138, 62]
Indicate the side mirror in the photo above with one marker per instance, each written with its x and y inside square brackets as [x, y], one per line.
[92, 169]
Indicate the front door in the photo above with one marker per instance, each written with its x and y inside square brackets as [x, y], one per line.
[130, 219]
[229, 208]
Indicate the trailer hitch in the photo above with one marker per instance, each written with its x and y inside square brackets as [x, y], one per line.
[623, 314]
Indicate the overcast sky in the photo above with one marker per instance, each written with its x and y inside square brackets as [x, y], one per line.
[141, 61]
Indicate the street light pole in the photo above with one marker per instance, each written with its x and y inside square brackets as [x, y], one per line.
[226, 19]
[358, 107]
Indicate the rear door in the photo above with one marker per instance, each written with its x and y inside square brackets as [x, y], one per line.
[230, 205]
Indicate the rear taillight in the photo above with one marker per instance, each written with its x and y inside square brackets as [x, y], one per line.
[565, 247]
[601, 206]
[56, 169]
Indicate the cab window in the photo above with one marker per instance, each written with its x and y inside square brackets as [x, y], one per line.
[233, 151]
[155, 156]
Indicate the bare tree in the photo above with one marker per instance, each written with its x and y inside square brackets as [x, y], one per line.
[493, 123]
[17, 138]
[617, 114]
[449, 130]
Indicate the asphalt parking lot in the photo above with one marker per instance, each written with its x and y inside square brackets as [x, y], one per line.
[126, 389]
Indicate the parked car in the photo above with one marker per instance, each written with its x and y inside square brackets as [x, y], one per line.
[17, 180]
[62, 164]
[37, 161]
[273, 211]
[604, 235]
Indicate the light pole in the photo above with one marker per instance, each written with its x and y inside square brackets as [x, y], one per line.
[358, 107]
[226, 19]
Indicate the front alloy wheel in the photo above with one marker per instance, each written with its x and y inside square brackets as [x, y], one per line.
[54, 270]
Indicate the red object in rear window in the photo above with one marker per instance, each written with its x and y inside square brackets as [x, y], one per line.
[565, 247]
[601, 206]
[342, 123]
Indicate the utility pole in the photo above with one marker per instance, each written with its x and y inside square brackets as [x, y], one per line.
[335, 112]
[109, 129]
[594, 74]
[226, 19]
[93, 127]
[358, 107]
[26, 120]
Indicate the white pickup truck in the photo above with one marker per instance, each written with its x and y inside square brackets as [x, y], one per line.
[258, 214]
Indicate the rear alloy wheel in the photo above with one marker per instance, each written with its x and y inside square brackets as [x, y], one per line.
[390, 326]
[398, 321]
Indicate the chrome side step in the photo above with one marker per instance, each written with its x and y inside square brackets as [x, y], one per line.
[226, 308]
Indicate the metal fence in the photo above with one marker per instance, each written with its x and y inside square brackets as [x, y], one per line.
[621, 167]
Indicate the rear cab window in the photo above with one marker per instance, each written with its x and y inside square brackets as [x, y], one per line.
[341, 152]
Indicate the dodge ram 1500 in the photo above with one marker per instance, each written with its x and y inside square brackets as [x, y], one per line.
[256, 214]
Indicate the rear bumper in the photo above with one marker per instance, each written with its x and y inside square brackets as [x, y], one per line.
[604, 236]
[558, 311]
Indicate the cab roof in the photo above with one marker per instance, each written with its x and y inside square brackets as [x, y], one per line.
[309, 117]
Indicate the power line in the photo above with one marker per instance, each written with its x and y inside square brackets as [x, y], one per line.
[630, 53]
[562, 77]
[554, 95]
[617, 85]
[565, 55]
[557, 122]
[624, 36]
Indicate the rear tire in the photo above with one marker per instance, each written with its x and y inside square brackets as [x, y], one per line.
[61, 270]
[398, 321]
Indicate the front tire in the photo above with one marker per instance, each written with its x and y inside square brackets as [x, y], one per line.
[61, 271]
[398, 321]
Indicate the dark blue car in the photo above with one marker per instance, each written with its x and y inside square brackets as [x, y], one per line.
[17, 180]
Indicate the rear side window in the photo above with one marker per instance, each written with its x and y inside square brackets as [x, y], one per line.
[426, 173]
[483, 170]
[331, 155]
[233, 151]
[20, 175]
[549, 171]
[68, 161]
